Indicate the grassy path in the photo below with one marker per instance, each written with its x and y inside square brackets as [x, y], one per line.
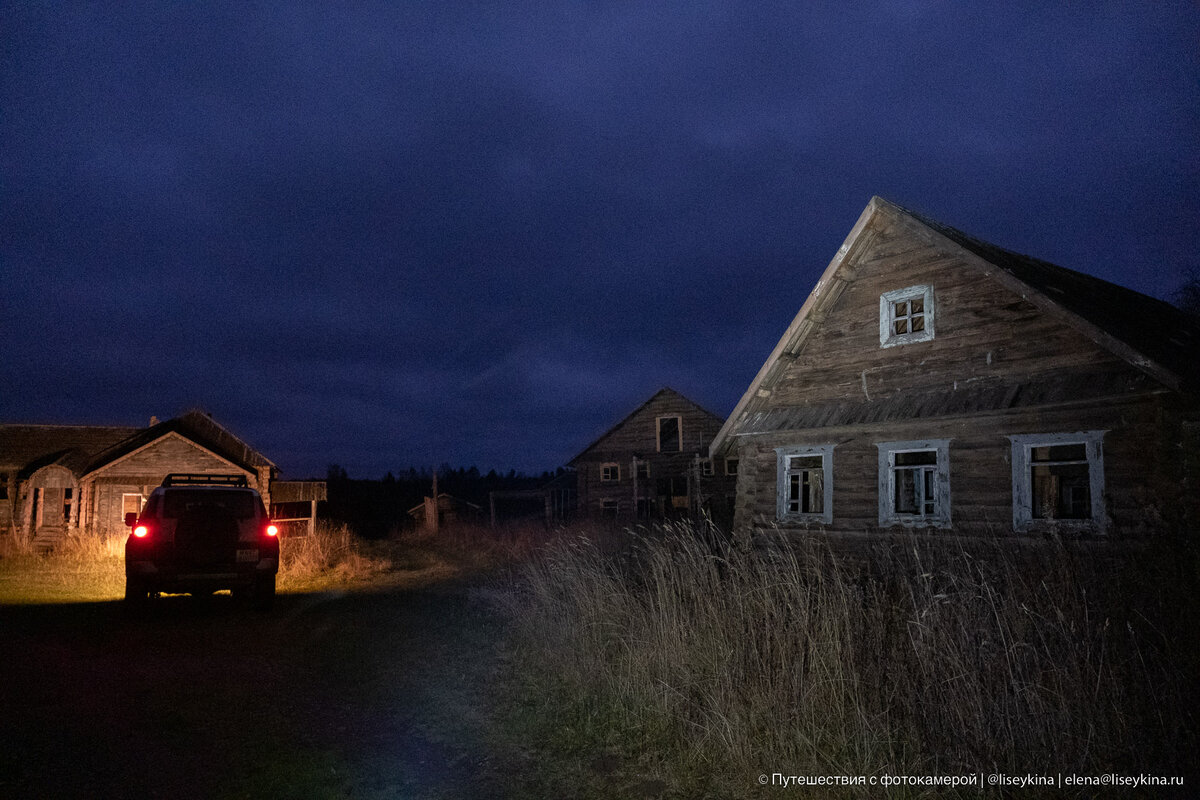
[379, 694]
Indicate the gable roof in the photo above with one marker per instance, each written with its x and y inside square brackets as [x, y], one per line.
[31, 447]
[665, 391]
[85, 448]
[198, 427]
[1150, 334]
[1154, 328]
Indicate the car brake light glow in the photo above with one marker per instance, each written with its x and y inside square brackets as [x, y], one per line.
[140, 531]
[272, 530]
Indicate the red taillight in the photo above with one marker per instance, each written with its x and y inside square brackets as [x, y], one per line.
[141, 531]
[272, 530]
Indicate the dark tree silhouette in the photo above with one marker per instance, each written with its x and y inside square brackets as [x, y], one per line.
[1187, 296]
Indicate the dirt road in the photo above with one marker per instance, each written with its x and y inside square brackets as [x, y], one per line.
[381, 695]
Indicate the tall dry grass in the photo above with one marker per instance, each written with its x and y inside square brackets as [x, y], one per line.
[912, 657]
[90, 565]
[332, 554]
[85, 565]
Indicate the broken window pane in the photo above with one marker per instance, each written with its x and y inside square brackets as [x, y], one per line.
[793, 505]
[916, 483]
[814, 494]
[907, 488]
[1061, 491]
[1060, 452]
[914, 458]
[806, 486]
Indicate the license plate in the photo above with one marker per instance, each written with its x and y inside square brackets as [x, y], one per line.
[244, 556]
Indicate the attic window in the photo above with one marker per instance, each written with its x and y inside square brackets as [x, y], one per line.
[610, 473]
[670, 435]
[906, 316]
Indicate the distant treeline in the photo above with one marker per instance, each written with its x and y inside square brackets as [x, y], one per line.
[375, 508]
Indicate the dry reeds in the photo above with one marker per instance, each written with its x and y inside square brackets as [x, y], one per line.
[90, 565]
[912, 657]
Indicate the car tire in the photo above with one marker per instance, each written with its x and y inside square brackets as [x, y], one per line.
[137, 593]
[264, 592]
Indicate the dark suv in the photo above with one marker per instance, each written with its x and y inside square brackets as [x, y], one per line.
[200, 534]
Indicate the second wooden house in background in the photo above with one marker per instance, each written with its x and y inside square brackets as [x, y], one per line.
[654, 465]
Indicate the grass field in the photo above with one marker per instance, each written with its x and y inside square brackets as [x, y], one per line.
[680, 664]
[674, 662]
[90, 567]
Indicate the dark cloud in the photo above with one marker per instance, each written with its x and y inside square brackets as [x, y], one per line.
[386, 234]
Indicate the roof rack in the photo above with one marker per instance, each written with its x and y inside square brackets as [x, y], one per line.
[192, 479]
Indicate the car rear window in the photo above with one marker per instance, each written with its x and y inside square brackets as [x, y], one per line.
[184, 503]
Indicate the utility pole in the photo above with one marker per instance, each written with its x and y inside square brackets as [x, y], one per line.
[434, 511]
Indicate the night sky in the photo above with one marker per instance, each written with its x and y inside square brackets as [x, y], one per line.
[403, 233]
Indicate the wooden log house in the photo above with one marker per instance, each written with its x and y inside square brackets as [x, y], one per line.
[57, 478]
[935, 382]
[654, 464]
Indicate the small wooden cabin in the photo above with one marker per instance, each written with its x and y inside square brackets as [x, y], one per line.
[654, 464]
[933, 381]
[59, 477]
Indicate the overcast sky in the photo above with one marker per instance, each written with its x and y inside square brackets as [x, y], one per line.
[483, 232]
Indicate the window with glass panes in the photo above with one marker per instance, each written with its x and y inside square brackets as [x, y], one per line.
[1058, 478]
[906, 316]
[804, 484]
[1059, 482]
[916, 483]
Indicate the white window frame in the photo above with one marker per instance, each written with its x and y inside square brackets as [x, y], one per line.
[706, 467]
[610, 507]
[610, 465]
[734, 461]
[783, 457]
[887, 484]
[658, 431]
[887, 317]
[1022, 484]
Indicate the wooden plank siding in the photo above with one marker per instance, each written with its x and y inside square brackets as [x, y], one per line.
[142, 470]
[84, 470]
[1005, 360]
[983, 331]
[980, 466]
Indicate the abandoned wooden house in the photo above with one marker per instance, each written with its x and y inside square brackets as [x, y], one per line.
[654, 464]
[54, 478]
[937, 382]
